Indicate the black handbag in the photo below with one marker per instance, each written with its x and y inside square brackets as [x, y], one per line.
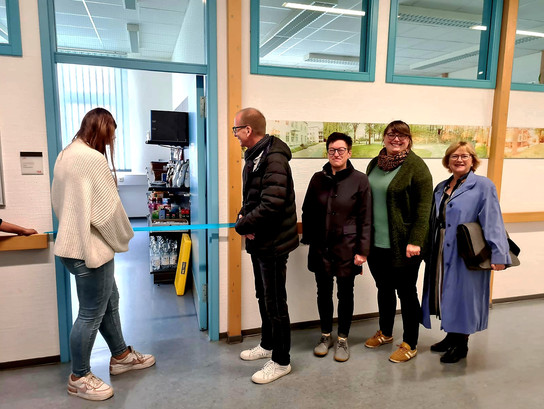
[475, 251]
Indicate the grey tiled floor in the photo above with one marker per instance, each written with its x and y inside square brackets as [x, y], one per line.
[504, 368]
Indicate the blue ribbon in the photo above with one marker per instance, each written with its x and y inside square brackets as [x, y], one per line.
[178, 227]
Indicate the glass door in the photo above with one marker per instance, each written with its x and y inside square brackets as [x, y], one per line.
[197, 170]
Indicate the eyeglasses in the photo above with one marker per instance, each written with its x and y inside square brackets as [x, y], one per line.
[462, 157]
[235, 128]
[339, 151]
[392, 135]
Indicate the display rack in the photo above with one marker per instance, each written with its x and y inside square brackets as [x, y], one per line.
[169, 203]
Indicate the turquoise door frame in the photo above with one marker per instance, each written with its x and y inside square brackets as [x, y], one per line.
[197, 171]
[212, 185]
[49, 60]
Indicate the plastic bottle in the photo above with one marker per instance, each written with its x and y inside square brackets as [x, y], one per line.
[154, 254]
[164, 253]
[173, 254]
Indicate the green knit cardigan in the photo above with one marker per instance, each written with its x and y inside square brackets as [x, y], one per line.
[409, 199]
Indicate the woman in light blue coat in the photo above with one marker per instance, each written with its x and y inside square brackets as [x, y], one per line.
[457, 295]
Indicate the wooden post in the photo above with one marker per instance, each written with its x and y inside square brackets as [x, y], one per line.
[234, 101]
[502, 92]
[502, 98]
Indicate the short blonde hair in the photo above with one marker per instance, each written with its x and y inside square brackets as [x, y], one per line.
[470, 150]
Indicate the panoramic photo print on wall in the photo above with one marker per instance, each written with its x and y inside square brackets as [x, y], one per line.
[307, 139]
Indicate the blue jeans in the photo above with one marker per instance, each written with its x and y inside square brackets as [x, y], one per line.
[98, 311]
[270, 290]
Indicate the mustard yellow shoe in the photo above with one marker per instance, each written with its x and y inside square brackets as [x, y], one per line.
[403, 354]
[378, 340]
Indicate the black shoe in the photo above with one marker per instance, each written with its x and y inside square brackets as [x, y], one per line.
[454, 354]
[443, 345]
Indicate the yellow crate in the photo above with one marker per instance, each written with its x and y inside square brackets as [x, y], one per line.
[183, 264]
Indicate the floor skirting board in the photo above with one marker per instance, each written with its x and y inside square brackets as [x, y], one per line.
[30, 362]
[360, 317]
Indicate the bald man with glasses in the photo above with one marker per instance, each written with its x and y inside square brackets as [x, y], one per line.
[268, 221]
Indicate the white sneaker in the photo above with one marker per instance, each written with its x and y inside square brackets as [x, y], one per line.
[270, 372]
[134, 360]
[255, 353]
[89, 387]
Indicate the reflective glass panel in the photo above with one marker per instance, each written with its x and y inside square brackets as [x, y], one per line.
[162, 30]
[4, 37]
[442, 38]
[529, 51]
[323, 35]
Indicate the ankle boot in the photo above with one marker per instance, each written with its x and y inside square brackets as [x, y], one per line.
[457, 351]
[443, 345]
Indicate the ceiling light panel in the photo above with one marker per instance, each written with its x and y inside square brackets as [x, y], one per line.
[324, 9]
[332, 59]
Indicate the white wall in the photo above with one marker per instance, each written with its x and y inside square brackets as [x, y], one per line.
[223, 133]
[28, 300]
[147, 90]
[345, 101]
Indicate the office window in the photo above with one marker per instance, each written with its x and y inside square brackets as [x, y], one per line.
[82, 88]
[333, 39]
[529, 50]
[447, 42]
[4, 35]
[170, 31]
[10, 28]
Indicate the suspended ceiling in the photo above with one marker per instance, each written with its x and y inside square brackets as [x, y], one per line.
[434, 37]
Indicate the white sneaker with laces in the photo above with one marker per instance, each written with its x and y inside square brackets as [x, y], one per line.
[89, 387]
[134, 360]
[270, 372]
[255, 353]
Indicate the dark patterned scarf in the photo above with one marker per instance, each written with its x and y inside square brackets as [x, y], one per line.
[388, 163]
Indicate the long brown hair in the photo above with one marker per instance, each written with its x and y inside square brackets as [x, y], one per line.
[98, 131]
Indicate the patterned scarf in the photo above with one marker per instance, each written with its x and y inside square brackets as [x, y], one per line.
[388, 163]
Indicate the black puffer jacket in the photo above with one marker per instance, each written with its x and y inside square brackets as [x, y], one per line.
[268, 209]
[336, 220]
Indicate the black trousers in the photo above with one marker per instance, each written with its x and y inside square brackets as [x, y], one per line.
[325, 305]
[391, 281]
[270, 290]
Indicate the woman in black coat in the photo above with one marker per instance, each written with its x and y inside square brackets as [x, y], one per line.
[336, 221]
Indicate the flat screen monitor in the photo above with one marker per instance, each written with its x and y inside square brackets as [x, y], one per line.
[169, 128]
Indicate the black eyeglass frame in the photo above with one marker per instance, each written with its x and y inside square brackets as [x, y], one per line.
[339, 151]
[392, 135]
[235, 128]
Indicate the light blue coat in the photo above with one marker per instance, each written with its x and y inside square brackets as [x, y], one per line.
[465, 293]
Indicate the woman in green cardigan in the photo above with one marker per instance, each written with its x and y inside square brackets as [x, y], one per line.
[401, 203]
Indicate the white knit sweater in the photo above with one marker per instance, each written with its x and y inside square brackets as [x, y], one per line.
[93, 225]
